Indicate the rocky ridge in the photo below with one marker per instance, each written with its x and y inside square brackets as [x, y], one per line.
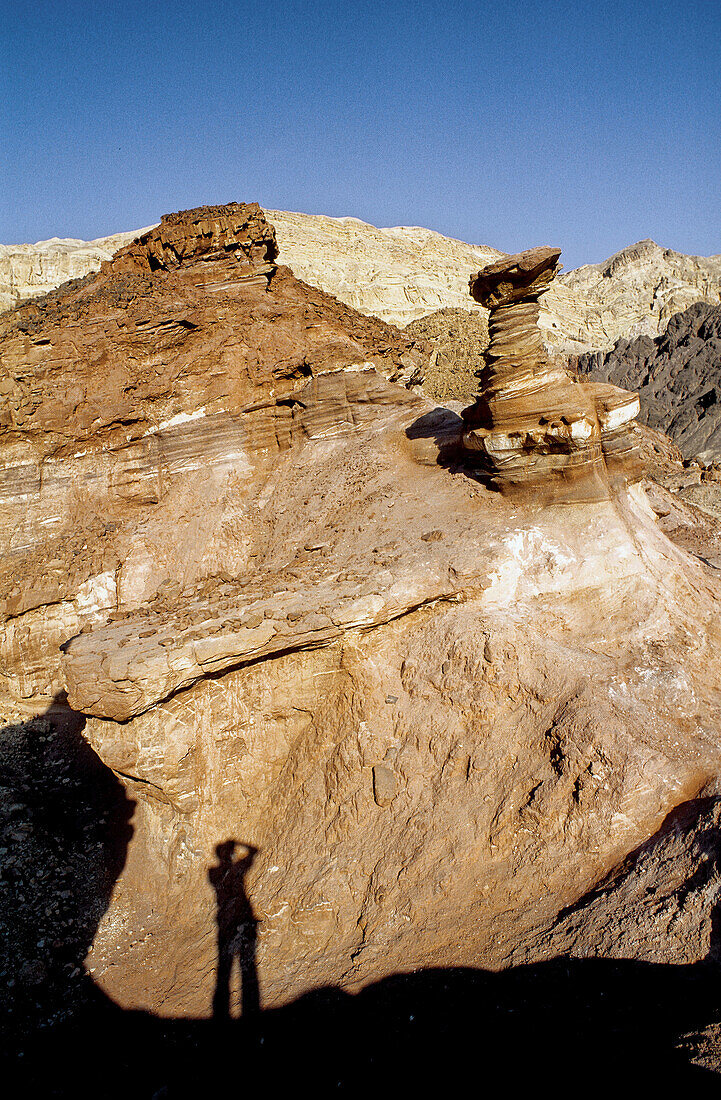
[637, 290]
[30, 270]
[405, 273]
[678, 375]
[437, 717]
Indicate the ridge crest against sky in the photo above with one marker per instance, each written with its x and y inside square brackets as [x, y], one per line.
[509, 124]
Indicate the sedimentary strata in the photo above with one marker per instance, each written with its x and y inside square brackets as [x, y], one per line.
[536, 428]
[171, 377]
[439, 715]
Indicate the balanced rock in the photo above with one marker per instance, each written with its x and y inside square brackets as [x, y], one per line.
[536, 427]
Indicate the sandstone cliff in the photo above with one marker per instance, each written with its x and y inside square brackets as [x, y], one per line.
[431, 717]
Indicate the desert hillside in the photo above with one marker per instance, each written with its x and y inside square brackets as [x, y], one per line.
[405, 273]
[318, 695]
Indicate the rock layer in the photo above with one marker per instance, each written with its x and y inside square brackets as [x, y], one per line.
[30, 270]
[533, 424]
[170, 376]
[440, 716]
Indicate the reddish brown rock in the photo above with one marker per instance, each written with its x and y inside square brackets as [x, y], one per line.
[172, 378]
[436, 715]
[537, 428]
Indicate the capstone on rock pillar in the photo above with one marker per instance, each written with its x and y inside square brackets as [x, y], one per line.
[534, 427]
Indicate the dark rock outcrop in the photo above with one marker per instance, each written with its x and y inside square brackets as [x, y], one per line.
[677, 375]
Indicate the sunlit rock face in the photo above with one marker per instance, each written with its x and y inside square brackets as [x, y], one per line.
[537, 428]
[295, 618]
[139, 403]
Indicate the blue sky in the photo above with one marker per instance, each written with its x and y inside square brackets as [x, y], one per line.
[588, 125]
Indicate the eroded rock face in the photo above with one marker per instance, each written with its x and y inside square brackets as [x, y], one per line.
[536, 428]
[436, 715]
[29, 270]
[404, 273]
[159, 389]
[678, 376]
[637, 290]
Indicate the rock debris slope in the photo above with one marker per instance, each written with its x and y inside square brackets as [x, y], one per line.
[294, 619]
[29, 270]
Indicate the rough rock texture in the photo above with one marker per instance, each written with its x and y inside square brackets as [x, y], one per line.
[534, 426]
[29, 270]
[678, 376]
[637, 290]
[431, 717]
[133, 396]
[407, 272]
[685, 496]
[458, 339]
[398, 274]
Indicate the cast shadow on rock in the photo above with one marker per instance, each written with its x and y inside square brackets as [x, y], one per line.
[237, 929]
[436, 437]
[581, 1022]
[64, 834]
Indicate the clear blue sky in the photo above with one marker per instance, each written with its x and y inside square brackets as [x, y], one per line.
[589, 124]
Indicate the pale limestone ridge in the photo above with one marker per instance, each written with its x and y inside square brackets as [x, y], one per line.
[29, 270]
[398, 273]
[636, 291]
[402, 273]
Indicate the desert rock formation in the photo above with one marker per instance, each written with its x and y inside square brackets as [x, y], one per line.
[678, 376]
[537, 428]
[405, 273]
[637, 290]
[30, 270]
[458, 339]
[436, 716]
[124, 395]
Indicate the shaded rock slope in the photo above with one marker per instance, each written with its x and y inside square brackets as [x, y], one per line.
[678, 376]
[371, 714]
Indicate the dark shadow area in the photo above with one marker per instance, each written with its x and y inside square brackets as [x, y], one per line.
[587, 1023]
[569, 1022]
[444, 430]
[64, 832]
[237, 929]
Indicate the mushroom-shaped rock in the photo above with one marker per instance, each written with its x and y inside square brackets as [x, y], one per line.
[533, 424]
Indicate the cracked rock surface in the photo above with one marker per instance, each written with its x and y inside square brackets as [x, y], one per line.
[439, 719]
